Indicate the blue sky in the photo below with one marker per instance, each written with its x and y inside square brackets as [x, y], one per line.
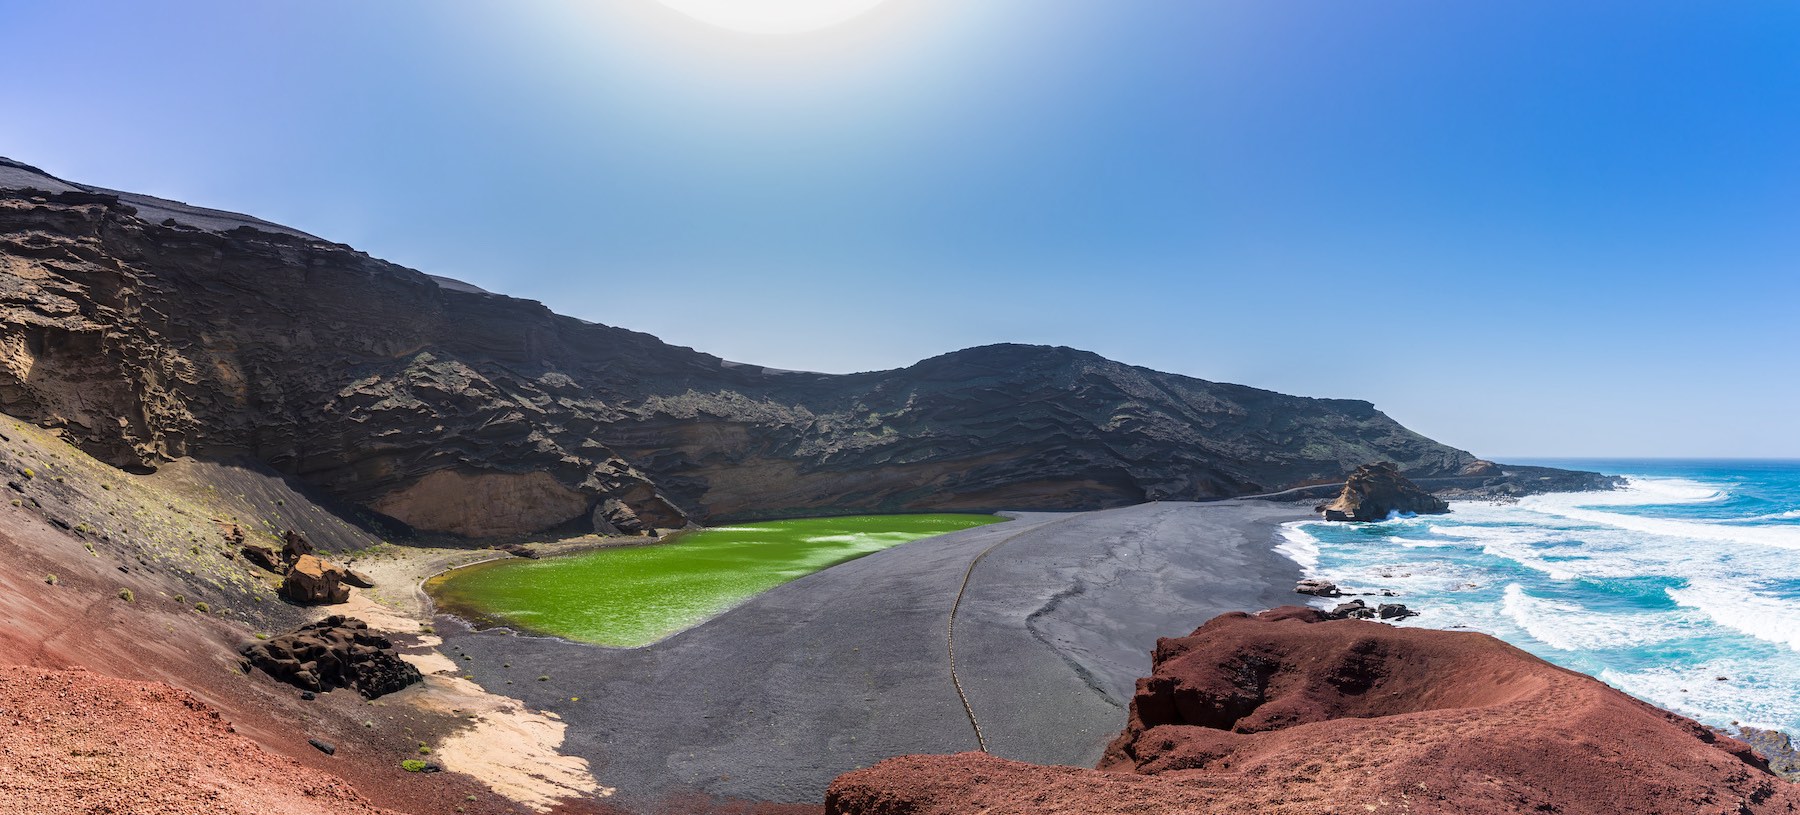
[1524, 228]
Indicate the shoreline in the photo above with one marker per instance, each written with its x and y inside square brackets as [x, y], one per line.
[849, 665]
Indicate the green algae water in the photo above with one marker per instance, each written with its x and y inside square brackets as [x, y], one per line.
[636, 595]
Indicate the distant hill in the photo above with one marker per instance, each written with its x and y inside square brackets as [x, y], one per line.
[146, 330]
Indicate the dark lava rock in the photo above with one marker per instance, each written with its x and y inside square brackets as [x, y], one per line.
[324, 746]
[1394, 611]
[1317, 588]
[358, 579]
[265, 557]
[517, 550]
[1284, 712]
[294, 546]
[336, 652]
[1353, 610]
[1375, 491]
[454, 410]
[1776, 747]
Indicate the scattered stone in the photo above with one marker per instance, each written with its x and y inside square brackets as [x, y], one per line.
[1317, 588]
[1353, 610]
[336, 652]
[308, 696]
[517, 550]
[324, 746]
[1374, 491]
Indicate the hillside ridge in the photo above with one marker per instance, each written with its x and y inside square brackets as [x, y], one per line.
[147, 330]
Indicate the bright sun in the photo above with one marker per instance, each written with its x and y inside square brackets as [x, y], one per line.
[772, 16]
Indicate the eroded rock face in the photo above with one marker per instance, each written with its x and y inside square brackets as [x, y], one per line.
[1374, 491]
[460, 411]
[336, 652]
[1290, 712]
[484, 504]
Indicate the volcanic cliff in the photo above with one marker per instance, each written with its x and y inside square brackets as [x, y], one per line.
[147, 330]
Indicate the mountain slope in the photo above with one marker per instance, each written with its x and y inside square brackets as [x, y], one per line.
[147, 330]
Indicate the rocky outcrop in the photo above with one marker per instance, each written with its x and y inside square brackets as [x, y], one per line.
[1288, 712]
[1775, 747]
[145, 330]
[1375, 491]
[336, 652]
[313, 580]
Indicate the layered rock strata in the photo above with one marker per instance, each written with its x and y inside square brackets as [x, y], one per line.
[1375, 491]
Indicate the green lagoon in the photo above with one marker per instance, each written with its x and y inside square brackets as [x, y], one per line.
[632, 596]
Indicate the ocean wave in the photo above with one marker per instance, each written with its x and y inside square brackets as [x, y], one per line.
[1299, 546]
[1769, 619]
[1753, 692]
[1571, 627]
[1654, 492]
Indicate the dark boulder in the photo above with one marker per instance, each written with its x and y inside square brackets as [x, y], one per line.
[336, 652]
[1353, 610]
[1375, 491]
[265, 557]
[1317, 588]
[361, 580]
[1394, 611]
[295, 545]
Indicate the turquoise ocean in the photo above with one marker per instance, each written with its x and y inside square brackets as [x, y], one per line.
[1682, 589]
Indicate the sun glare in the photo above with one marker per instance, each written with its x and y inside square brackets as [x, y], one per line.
[772, 16]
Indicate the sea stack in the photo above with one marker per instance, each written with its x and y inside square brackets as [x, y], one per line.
[1375, 491]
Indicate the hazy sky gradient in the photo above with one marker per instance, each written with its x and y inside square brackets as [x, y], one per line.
[1523, 228]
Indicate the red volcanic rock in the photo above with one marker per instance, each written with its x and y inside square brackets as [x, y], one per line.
[78, 743]
[1287, 712]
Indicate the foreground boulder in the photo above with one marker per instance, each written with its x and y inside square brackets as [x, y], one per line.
[1289, 712]
[336, 652]
[1375, 491]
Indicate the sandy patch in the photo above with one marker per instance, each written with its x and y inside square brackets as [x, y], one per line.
[508, 747]
[511, 749]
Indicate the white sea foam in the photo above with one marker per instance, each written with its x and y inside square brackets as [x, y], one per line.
[1299, 546]
[1789, 515]
[1766, 618]
[1753, 692]
[1571, 627]
[1581, 506]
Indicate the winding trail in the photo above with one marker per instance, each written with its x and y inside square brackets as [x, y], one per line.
[1041, 624]
[950, 631]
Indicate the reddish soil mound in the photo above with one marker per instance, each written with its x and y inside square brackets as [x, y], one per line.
[77, 742]
[1285, 712]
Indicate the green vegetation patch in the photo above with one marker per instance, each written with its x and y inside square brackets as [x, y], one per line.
[633, 596]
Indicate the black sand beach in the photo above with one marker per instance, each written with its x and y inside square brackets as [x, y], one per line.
[845, 667]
